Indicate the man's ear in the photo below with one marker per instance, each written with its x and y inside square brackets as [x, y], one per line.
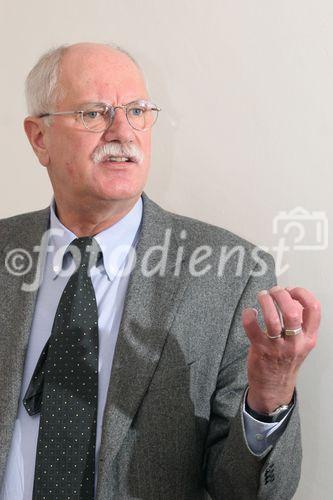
[35, 130]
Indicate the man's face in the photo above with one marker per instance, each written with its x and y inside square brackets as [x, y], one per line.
[95, 74]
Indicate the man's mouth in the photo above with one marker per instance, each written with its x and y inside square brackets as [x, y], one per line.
[118, 159]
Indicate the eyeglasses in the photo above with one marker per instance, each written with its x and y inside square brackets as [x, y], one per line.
[98, 116]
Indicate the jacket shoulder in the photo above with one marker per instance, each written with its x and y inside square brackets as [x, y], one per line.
[23, 217]
[209, 234]
[23, 223]
[223, 244]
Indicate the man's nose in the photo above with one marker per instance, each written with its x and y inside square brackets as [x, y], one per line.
[120, 130]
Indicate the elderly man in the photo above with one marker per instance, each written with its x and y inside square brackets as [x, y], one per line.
[130, 368]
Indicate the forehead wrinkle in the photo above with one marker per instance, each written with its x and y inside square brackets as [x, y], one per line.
[94, 89]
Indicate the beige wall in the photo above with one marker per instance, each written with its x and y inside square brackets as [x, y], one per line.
[246, 131]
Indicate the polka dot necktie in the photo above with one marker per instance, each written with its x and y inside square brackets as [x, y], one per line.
[64, 388]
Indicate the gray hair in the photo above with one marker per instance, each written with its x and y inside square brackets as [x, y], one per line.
[42, 89]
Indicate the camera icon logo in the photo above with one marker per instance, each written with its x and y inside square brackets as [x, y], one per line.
[303, 230]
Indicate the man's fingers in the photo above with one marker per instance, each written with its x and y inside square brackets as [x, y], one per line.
[271, 319]
[311, 309]
[291, 313]
[270, 314]
[251, 325]
[297, 306]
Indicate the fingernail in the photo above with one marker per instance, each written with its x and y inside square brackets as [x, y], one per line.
[275, 288]
[255, 310]
[262, 292]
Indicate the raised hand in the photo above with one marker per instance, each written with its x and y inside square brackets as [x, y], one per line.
[276, 353]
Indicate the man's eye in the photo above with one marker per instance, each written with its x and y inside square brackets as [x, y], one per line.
[137, 111]
[92, 114]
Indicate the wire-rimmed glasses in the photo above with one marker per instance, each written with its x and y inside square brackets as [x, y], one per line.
[99, 116]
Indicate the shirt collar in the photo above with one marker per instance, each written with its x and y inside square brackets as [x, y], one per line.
[115, 241]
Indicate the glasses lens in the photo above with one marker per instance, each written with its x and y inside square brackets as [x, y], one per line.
[141, 115]
[96, 118]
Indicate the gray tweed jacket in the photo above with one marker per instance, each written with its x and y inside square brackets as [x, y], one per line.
[172, 426]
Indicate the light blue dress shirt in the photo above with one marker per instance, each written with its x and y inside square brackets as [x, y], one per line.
[110, 285]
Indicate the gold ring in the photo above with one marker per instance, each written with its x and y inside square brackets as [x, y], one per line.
[292, 333]
[273, 336]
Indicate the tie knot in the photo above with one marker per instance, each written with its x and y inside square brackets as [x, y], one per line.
[85, 252]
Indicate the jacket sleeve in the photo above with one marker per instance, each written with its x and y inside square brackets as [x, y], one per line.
[232, 471]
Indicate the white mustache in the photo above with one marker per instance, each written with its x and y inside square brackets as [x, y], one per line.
[118, 150]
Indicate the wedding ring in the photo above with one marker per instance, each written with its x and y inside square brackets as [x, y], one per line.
[273, 336]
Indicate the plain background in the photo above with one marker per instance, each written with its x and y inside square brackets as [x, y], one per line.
[245, 133]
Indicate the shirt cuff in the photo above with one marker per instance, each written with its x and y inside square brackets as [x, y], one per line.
[261, 435]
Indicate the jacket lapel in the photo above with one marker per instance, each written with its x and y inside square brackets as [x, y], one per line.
[17, 299]
[149, 309]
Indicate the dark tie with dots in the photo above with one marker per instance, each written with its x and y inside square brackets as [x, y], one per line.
[64, 389]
